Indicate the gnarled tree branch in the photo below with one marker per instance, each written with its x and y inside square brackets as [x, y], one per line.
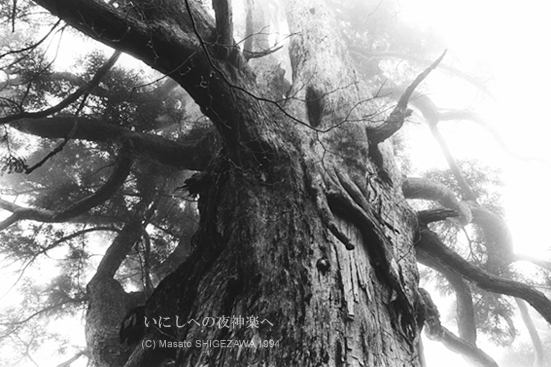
[429, 243]
[433, 115]
[176, 38]
[465, 309]
[395, 120]
[421, 188]
[435, 331]
[183, 154]
[409, 56]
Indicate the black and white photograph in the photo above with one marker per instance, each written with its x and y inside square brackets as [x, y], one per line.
[275, 183]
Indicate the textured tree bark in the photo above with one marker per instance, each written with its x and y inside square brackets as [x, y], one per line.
[297, 227]
[109, 303]
[263, 250]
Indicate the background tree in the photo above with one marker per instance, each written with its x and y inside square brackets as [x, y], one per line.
[303, 220]
[68, 170]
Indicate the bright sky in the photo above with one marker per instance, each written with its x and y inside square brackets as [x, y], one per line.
[511, 38]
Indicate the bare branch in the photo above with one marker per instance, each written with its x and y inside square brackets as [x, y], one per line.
[259, 54]
[56, 306]
[380, 55]
[56, 150]
[396, 118]
[34, 45]
[433, 115]
[68, 362]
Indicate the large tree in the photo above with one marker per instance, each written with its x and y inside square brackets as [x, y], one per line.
[304, 228]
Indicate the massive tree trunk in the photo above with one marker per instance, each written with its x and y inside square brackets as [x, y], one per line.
[303, 223]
